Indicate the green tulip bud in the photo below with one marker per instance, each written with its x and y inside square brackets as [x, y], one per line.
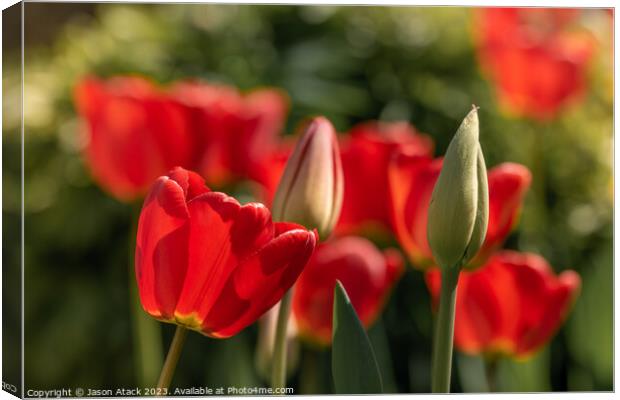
[459, 210]
[311, 187]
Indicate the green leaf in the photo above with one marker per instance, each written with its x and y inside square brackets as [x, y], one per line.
[354, 366]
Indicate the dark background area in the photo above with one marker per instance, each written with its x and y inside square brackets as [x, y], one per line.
[11, 231]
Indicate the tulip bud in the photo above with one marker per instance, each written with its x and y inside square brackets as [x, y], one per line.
[459, 210]
[310, 190]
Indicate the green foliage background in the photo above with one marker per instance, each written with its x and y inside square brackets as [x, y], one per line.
[350, 64]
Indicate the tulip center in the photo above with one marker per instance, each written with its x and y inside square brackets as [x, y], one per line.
[190, 321]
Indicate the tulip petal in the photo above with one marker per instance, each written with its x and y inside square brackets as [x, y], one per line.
[508, 184]
[485, 311]
[134, 133]
[161, 248]
[211, 218]
[482, 210]
[238, 130]
[264, 115]
[366, 155]
[88, 95]
[259, 282]
[222, 234]
[192, 184]
[367, 274]
[544, 299]
[511, 306]
[394, 266]
[542, 42]
[411, 181]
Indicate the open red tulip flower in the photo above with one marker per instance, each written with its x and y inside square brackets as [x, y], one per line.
[366, 273]
[536, 57]
[411, 182]
[239, 131]
[512, 306]
[134, 133]
[366, 153]
[207, 263]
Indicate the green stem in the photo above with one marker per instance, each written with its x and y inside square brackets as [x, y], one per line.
[539, 183]
[444, 331]
[172, 358]
[309, 379]
[490, 370]
[278, 372]
[146, 331]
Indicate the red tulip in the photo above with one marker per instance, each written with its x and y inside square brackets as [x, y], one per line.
[512, 306]
[268, 172]
[367, 274]
[134, 133]
[239, 131]
[536, 60]
[366, 153]
[508, 183]
[411, 182]
[205, 262]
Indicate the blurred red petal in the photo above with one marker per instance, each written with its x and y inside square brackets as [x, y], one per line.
[366, 273]
[135, 134]
[512, 306]
[237, 131]
[366, 154]
[411, 183]
[508, 184]
[540, 41]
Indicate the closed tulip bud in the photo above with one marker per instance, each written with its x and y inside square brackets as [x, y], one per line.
[459, 210]
[310, 190]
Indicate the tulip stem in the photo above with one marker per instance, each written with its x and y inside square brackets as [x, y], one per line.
[278, 372]
[172, 358]
[490, 370]
[444, 331]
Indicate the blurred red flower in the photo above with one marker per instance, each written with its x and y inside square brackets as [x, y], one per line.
[411, 183]
[366, 153]
[134, 133]
[367, 274]
[536, 57]
[239, 130]
[268, 172]
[512, 306]
[205, 262]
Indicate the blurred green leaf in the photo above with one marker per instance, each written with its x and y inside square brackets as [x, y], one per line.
[590, 326]
[354, 366]
[471, 373]
[230, 364]
[380, 342]
[531, 375]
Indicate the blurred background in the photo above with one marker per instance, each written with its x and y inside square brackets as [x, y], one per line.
[349, 63]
